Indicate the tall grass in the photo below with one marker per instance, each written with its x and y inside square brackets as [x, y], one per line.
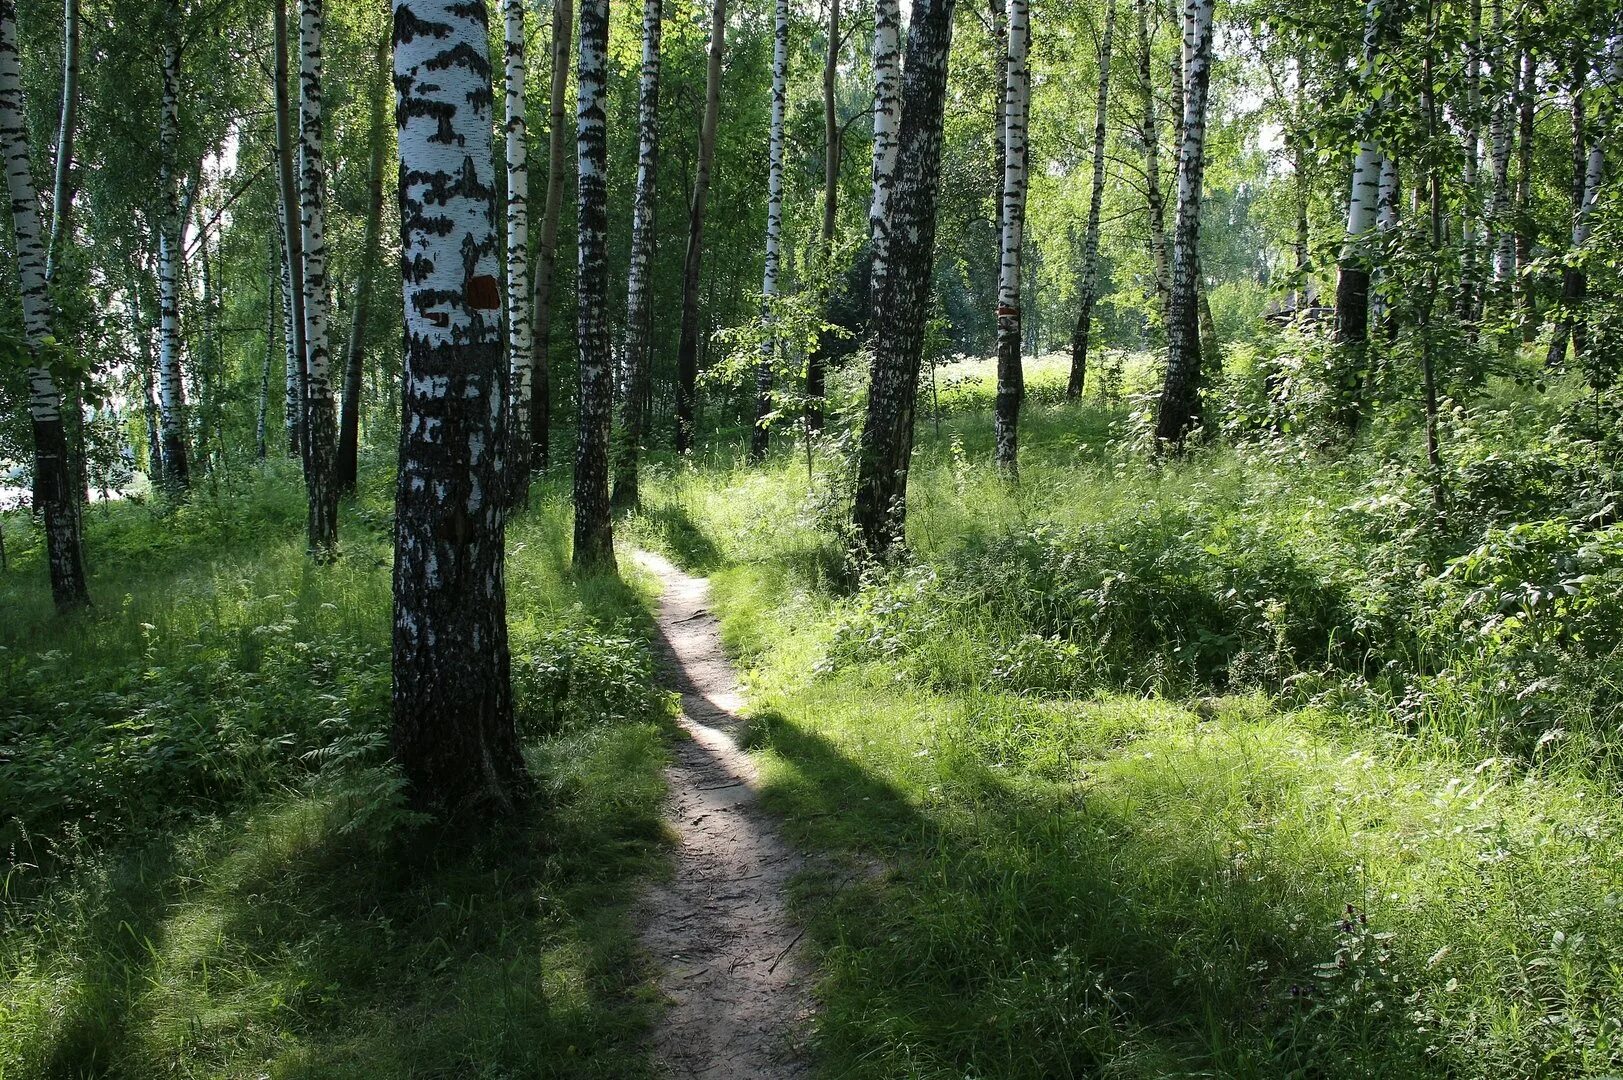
[1233, 765]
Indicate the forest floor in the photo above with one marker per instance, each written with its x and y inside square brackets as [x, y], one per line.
[736, 986]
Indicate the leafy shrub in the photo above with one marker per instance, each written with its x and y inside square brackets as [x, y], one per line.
[579, 676]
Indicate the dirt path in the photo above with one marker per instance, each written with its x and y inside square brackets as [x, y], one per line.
[737, 989]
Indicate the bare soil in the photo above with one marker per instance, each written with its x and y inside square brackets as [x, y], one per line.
[736, 985]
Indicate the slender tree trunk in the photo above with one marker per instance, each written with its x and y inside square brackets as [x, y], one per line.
[886, 446]
[1500, 135]
[638, 288]
[520, 434]
[1180, 397]
[453, 705]
[62, 188]
[687, 354]
[1011, 383]
[1594, 175]
[594, 527]
[171, 388]
[55, 493]
[347, 473]
[817, 362]
[292, 334]
[1151, 134]
[760, 435]
[292, 236]
[887, 119]
[1469, 257]
[1088, 286]
[1527, 101]
[321, 437]
[1573, 283]
[141, 330]
[272, 333]
[563, 27]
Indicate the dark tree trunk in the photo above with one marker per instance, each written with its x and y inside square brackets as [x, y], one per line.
[1087, 288]
[349, 418]
[594, 526]
[687, 351]
[453, 709]
[886, 448]
[546, 261]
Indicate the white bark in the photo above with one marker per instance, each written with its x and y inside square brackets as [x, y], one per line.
[1499, 139]
[1610, 71]
[44, 398]
[887, 121]
[293, 400]
[312, 214]
[594, 530]
[1473, 148]
[1016, 105]
[1386, 221]
[66, 129]
[520, 330]
[1180, 397]
[774, 229]
[171, 388]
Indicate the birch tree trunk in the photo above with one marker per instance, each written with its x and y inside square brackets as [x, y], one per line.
[1150, 133]
[1353, 267]
[272, 334]
[1011, 383]
[171, 388]
[1473, 139]
[594, 528]
[638, 293]
[687, 354]
[817, 362]
[1087, 287]
[1386, 221]
[774, 234]
[347, 472]
[563, 27]
[453, 708]
[320, 434]
[62, 188]
[292, 334]
[520, 331]
[887, 120]
[287, 211]
[1499, 140]
[1608, 68]
[885, 451]
[55, 493]
[1527, 101]
[1180, 396]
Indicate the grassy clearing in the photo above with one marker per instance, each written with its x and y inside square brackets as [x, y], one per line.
[210, 871]
[1212, 768]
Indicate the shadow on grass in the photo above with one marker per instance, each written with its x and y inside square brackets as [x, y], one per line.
[672, 528]
[1022, 930]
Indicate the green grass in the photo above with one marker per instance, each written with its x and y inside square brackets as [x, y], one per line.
[1163, 828]
[211, 871]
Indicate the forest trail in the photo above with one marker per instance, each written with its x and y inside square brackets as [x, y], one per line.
[736, 986]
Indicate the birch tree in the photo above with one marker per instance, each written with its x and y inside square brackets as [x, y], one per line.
[817, 362]
[887, 119]
[62, 187]
[774, 234]
[1011, 384]
[292, 243]
[594, 528]
[1180, 395]
[520, 331]
[1087, 287]
[1150, 138]
[171, 387]
[320, 433]
[347, 473]
[879, 511]
[687, 354]
[1609, 70]
[55, 493]
[453, 708]
[540, 457]
[1499, 143]
[1471, 136]
[1353, 269]
[634, 347]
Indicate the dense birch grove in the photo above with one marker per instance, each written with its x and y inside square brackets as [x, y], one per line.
[1284, 219]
